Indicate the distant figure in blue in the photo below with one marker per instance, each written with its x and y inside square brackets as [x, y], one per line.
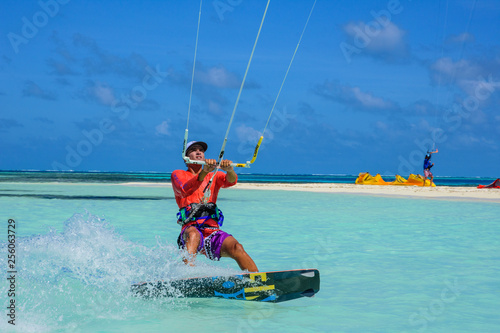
[428, 165]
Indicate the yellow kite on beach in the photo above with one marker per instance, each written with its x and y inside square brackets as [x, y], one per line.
[364, 178]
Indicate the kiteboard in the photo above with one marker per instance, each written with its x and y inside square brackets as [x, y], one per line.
[262, 286]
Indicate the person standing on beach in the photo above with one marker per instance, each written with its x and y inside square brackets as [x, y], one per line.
[199, 216]
[428, 165]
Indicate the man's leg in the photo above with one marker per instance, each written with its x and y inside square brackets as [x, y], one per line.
[192, 240]
[233, 249]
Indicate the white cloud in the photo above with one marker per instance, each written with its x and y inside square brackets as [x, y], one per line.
[380, 125]
[389, 39]
[163, 128]
[479, 88]
[215, 107]
[103, 93]
[461, 38]
[218, 77]
[467, 140]
[368, 100]
[448, 70]
[378, 40]
[467, 75]
[247, 134]
[354, 96]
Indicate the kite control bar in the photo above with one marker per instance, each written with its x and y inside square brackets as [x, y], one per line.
[236, 165]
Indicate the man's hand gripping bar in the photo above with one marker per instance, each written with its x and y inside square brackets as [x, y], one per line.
[234, 165]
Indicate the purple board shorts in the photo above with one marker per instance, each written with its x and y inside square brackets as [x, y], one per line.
[427, 173]
[210, 245]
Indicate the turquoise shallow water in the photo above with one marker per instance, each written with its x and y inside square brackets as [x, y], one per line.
[387, 264]
[144, 177]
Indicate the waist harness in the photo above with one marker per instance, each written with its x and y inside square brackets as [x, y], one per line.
[196, 211]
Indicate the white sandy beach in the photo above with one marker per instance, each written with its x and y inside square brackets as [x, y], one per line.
[439, 192]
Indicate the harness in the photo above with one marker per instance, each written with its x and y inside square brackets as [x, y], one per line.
[197, 211]
[194, 212]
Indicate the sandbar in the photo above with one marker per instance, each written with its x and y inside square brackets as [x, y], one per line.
[438, 192]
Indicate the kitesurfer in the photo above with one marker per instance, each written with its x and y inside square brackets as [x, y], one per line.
[428, 165]
[199, 216]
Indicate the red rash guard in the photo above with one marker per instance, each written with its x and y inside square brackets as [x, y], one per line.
[188, 189]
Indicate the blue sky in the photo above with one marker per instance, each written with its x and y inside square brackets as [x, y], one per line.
[104, 85]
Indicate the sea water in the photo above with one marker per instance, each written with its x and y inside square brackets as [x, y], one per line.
[386, 264]
[124, 177]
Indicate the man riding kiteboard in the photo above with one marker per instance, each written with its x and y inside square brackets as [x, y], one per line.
[199, 216]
